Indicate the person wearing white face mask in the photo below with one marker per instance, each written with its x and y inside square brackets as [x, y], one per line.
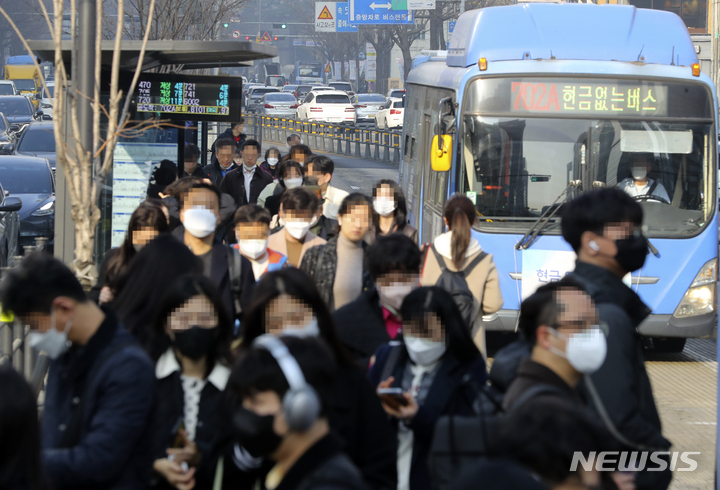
[252, 228]
[390, 212]
[93, 355]
[433, 364]
[286, 304]
[270, 165]
[374, 318]
[199, 214]
[298, 206]
[290, 176]
[640, 184]
[561, 323]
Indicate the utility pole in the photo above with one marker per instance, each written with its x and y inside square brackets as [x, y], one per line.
[84, 69]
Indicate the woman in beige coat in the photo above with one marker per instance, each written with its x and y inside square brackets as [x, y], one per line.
[458, 249]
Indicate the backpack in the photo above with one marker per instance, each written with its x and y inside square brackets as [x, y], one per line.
[455, 283]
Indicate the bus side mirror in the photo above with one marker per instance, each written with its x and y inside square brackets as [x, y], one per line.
[440, 156]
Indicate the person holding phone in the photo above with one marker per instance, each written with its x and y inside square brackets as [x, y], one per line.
[190, 344]
[286, 303]
[437, 363]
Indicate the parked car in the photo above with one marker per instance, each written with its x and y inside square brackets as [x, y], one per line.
[18, 110]
[367, 105]
[302, 91]
[290, 89]
[38, 140]
[8, 137]
[327, 106]
[344, 86]
[9, 227]
[32, 180]
[255, 95]
[396, 93]
[278, 105]
[7, 87]
[46, 101]
[391, 115]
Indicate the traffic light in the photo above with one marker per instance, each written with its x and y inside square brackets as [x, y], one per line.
[247, 38]
[280, 26]
[226, 24]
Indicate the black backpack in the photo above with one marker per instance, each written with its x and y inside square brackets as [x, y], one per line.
[455, 283]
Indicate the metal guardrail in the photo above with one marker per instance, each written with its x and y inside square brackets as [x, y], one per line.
[341, 139]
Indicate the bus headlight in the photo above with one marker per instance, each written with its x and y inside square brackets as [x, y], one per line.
[700, 296]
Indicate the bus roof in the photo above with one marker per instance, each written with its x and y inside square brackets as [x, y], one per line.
[570, 32]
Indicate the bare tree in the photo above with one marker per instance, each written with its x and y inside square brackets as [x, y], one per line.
[404, 36]
[86, 168]
[382, 39]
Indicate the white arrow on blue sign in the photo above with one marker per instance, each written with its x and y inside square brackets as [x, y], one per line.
[451, 26]
[368, 12]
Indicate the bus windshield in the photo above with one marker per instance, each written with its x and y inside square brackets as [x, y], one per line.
[312, 70]
[524, 140]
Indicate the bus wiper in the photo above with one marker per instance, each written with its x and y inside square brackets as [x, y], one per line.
[539, 224]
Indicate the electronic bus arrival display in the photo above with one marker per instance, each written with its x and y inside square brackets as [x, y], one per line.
[189, 97]
[591, 97]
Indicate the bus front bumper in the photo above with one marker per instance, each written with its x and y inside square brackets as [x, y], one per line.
[700, 326]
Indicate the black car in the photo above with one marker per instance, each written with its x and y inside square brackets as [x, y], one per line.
[8, 137]
[9, 227]
[32, 180]
[38, 140]
[18, 110]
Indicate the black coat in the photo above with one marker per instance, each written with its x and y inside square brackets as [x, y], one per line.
[531, 373]
[227, 134]
[199, 172]
[220, 276]
[622, 381]
[216, 174]
[443, 390]
[234, 184]
[361, 327]
[272, 203]
[169, 413]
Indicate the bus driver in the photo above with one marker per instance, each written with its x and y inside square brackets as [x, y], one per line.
[640, 184]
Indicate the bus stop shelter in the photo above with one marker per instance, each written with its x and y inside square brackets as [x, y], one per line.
[159, 56]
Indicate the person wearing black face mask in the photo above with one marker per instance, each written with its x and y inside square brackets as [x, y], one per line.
[604, 229]
[191, 346]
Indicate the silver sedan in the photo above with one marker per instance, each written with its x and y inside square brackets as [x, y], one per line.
[278, 104]
[367, 106]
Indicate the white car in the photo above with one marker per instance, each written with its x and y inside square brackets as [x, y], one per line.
[395, 93]
[318, 88]
[46, 103]
[391, 115]
[327, 106]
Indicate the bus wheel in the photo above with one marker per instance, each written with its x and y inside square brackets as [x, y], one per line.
[669, 344]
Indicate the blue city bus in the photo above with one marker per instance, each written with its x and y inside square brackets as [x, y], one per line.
[534, 104]
[308, 73]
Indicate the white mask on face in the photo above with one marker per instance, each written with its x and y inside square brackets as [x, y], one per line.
[199, 221]
[639, 173]
[272, 161]
[423, 351]
[585, 351]
[53, 342]
[249, 168]
[394, 294]
[293, 183]
[384, 206]
[309, 330]
[253, 249]
[297, 229]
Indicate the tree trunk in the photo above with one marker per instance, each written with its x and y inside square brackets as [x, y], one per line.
[434, 39]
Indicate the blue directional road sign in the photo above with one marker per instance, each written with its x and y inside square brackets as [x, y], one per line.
[451, 25]
[343, 19]
[371, 12]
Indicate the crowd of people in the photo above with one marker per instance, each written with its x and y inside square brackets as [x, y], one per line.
[260, 328]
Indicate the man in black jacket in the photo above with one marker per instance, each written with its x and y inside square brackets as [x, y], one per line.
[190, 161]
[604, 229]
[234, 133]
[101, 385]
[294, 435]
[247, 181]
[225, 152]
[200, 215]
[374, 319]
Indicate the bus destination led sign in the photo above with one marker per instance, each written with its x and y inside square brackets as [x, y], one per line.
[591, 98]
[189, 97]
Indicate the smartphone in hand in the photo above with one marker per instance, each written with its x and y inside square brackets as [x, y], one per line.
[393, 396]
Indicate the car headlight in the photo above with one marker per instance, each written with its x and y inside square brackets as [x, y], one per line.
[45, 210]
[700, 296]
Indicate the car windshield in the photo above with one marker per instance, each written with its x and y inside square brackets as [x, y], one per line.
[289, 88]
[50, 91]
[261, 91]
[3, 126]
[37, 140]
[25, 84]
[280, 98]
[304, 88]
[21, 178]
[398, 104]
[397, 93]
[332, 99]
[6, 89]
[16, 106]
[342, 86]
[377, 98]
